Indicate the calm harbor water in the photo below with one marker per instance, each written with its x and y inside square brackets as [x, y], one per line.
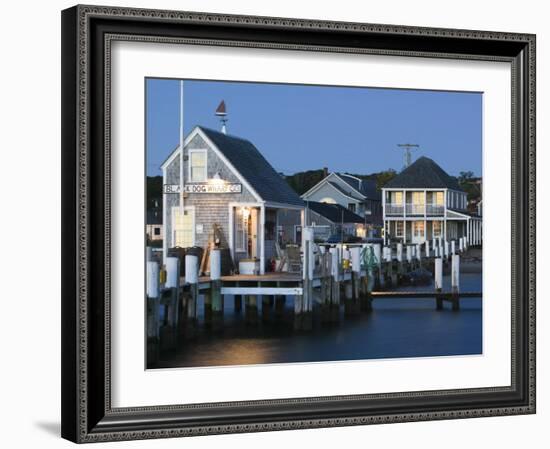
[397, 327]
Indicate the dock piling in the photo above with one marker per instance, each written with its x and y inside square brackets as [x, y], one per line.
[215, 289]
[455, 281]
[153, 293]
[335, 287]
[438, 268]
[192, 282]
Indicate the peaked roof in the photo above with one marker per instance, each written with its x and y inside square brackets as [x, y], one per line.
[333, 212]
[366, 186]
[250, 163]
[423, 173]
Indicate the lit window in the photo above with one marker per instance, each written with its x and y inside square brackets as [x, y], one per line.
[418, 198]
[436, 227]
[241, 229]
[438, 198]
[397, 197]
[418, 228]
[197, 165]
[399, 229]
[183, 228]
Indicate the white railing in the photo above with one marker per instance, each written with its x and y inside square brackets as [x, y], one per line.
[435, 209]
[394, 209]
[415, 209]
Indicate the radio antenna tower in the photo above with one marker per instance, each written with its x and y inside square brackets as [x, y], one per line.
[222, 114]
[407, 147]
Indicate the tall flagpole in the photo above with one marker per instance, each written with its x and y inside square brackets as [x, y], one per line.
[181, 153]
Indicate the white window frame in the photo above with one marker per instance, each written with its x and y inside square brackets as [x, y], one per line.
[189, 165]
[440, 233]
[397, 234]
[244, 248]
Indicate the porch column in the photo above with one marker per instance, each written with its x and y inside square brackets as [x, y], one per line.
[468, 231]
[262, 239]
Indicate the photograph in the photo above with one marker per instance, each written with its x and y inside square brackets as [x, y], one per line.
[295, 223]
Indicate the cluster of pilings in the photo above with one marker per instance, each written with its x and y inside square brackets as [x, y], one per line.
[332, 278]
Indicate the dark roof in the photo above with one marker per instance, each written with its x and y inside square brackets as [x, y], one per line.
[423, 173]
[333, 212]
[250, 163]
[342, 190]
[464, 212]
[154, 216]
[365, 186]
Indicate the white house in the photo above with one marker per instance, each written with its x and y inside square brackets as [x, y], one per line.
[423, 202]
[228, 183]
[359, 196]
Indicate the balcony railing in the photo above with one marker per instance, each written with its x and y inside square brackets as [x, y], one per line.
[411, 209]
[434, 210]
[415, 209]
[394, 209]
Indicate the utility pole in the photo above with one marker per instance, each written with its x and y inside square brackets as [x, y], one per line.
[407, 153]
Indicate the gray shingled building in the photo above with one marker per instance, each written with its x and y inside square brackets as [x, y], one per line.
[228, 183]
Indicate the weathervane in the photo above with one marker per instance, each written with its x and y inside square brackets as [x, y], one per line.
[222, 114]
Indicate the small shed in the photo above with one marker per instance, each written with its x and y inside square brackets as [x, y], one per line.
[229, 184]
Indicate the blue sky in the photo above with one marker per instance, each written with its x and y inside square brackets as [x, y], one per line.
[300, 128]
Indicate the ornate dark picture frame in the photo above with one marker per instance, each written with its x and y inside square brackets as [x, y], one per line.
[87, 414]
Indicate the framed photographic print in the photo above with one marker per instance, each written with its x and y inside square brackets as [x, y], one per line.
[285, 223]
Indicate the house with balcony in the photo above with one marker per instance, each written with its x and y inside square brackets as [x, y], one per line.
[423, 202]
[359, 196]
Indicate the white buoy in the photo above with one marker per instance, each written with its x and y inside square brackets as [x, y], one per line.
[427, 248]
[346, 254]
[409, 253]
[172, 272]
[153, 279]
[453, 247]
[356, 259]
[215, 264]
[418, 252]
[446, 249]
[191, 269]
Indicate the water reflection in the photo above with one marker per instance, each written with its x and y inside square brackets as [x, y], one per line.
[395, 328]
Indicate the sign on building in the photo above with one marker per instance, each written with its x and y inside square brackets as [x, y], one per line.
[204, 188]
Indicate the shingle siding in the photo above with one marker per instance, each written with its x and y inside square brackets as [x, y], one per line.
[210, 209]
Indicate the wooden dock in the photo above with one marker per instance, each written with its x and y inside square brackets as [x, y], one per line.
[329, 281]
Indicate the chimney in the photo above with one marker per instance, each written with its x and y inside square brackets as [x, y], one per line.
[325, 172]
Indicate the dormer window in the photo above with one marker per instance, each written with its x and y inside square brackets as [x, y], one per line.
[197, 165]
